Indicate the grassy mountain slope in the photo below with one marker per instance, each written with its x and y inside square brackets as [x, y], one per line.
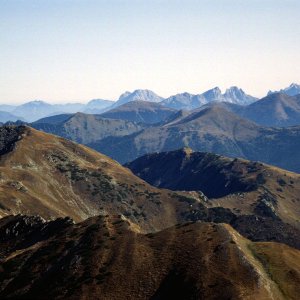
[106, 257]
[85, 128]
[45, 175]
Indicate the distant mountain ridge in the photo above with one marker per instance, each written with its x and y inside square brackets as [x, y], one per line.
[37, 109]
[292, 90]
[7, 116]
[277, 109]
[215, 130]
[190, 101]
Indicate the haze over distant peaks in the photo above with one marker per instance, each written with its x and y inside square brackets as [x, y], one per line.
[97, 106]
[37, 109]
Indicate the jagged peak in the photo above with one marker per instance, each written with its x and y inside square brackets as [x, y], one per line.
[234, 89]
[124, 95]
[295, 85]
[216, 90]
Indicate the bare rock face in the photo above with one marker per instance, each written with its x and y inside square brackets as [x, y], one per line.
[9, 135]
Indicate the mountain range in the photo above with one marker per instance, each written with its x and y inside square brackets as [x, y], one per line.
[190, 101]
[205, 205]
[132, 240]
[213, 129]
[276, 110]
[292, 90]
[237, 184]
[34, 110]
[52, 177]
[126, 132]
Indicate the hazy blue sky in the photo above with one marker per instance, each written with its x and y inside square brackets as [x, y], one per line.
[72, 50]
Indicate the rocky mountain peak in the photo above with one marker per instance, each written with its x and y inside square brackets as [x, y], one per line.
[212, 94]
[292, 90]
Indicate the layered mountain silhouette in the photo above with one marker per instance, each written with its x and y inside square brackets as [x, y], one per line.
[213, 129]
[105, 257]
[77, 225]
[7, 117]
[190, 101]
[275, 110]
[204, 208]
[34, 110]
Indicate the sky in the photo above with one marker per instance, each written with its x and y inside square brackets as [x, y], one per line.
[78, 50]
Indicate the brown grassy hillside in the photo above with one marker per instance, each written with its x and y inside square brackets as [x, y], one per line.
[106, 258]
[49, 176]
[45, 175]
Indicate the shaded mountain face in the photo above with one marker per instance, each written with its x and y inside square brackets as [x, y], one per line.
[105, 257]
[189, 101]
[85, 128]
[216, 176]
[138, 95]
[250, 187]
[213, 130]
[292, 90]
[140, 112]
[274, 110]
